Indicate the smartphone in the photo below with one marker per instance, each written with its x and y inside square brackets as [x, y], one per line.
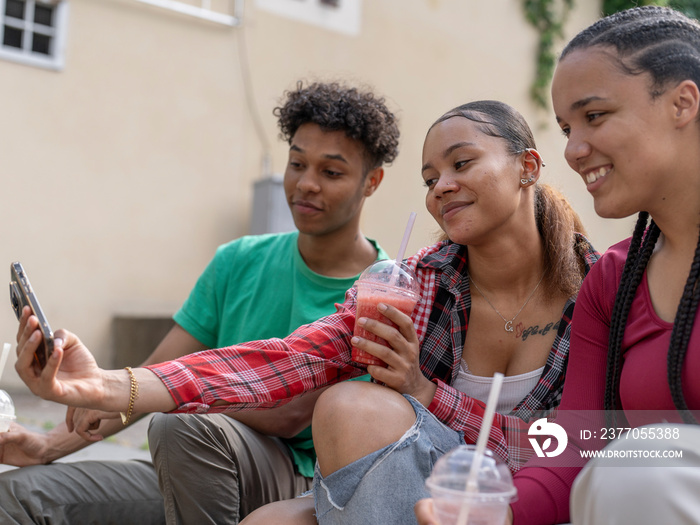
[21, 295]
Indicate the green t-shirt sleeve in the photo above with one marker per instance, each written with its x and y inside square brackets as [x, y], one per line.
[199, 315]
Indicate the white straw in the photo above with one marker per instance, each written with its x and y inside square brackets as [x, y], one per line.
[3, 358]
[406, 236]
[481, 441]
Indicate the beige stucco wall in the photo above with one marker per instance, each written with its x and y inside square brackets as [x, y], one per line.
[123, 172]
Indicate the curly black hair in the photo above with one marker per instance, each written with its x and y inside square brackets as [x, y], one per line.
[335, 107]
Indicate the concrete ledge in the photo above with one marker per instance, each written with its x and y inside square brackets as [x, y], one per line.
[135, 337]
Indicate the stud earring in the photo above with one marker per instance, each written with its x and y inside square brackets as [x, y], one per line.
[526, 181]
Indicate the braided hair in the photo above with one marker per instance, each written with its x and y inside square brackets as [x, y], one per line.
[665, 44]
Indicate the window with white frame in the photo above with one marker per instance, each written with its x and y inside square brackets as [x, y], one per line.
[33, 32]
[203, 9]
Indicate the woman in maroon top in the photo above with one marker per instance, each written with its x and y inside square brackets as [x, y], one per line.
[626, 95]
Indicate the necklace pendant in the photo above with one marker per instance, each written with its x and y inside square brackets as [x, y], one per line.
[509, 326]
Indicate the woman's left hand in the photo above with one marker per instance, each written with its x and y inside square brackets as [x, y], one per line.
[402, 372]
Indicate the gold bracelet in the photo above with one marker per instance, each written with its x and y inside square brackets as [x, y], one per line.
[133, 394]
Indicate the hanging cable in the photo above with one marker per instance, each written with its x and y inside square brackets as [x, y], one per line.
[250, 100]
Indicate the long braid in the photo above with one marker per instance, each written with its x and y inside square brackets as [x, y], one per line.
[616, 328]
[682, 328]
[636, 262]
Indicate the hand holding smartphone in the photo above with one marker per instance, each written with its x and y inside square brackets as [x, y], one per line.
[21, 295]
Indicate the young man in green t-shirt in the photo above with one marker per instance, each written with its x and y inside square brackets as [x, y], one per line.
[216, 468]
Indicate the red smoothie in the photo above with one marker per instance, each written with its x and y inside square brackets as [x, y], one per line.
[367, 300]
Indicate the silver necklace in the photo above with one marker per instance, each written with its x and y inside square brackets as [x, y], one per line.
[509, 324]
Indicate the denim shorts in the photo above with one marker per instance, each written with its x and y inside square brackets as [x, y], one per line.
[383, 487]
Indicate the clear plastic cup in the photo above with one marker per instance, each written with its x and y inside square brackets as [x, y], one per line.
[387, 282]
[7, 411]
[486, 505]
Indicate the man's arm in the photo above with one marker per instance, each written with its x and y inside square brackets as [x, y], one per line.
[176, 343]
[286, 421]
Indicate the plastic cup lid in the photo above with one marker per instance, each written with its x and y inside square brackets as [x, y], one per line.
[451, 472]
[391, 273]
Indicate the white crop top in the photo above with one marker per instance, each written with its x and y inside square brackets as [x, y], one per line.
[513, 390]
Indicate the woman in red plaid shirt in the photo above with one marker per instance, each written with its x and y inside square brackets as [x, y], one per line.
[518, 243]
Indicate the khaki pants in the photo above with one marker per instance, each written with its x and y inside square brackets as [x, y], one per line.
[213, 469]
[96, 492]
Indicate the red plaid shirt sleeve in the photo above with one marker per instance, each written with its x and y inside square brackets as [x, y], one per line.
[264, 374]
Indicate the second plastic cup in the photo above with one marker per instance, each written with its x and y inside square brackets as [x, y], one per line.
[7, 411]
[385, 282]
[485, 505]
